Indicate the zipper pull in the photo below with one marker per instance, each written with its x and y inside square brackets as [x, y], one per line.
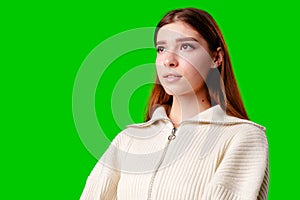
[172, 136]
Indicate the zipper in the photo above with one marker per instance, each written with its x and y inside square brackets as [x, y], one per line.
[171, 137]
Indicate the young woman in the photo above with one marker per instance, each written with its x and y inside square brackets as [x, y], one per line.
[197, 141]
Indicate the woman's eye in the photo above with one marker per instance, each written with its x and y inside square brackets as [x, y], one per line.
[160, 49]
[187, 47]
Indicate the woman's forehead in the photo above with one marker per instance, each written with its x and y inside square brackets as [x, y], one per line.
[177, 30]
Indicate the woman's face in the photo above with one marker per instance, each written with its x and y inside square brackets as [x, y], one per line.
[183, 59]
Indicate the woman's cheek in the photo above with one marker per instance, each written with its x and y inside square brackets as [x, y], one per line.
[201, 62]
[159, 66]
[159, 60]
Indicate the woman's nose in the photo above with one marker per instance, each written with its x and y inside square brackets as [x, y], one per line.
[170, 59]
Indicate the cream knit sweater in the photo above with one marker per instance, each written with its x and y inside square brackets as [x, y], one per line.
[211, 156]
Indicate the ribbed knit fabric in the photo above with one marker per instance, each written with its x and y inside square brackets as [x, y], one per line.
[211, 156]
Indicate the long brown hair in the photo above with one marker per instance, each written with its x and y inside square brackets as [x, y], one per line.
[220, 81]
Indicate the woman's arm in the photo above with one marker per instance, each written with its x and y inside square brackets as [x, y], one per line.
[243, 173]
[101, 184]
[103, 180]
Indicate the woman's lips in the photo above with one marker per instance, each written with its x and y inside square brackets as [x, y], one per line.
[172, 77]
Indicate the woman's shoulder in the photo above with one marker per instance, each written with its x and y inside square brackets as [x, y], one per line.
[245, 124]
[245, 131]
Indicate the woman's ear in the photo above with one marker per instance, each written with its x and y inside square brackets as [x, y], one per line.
[218, 56]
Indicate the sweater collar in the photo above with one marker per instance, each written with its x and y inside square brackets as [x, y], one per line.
[212, 115]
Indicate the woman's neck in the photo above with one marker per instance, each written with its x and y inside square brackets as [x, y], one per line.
[187, 105]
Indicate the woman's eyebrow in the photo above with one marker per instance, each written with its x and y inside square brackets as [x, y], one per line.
[184, 39]
[161, 42]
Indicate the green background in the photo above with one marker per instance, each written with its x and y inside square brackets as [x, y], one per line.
[44, 43]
